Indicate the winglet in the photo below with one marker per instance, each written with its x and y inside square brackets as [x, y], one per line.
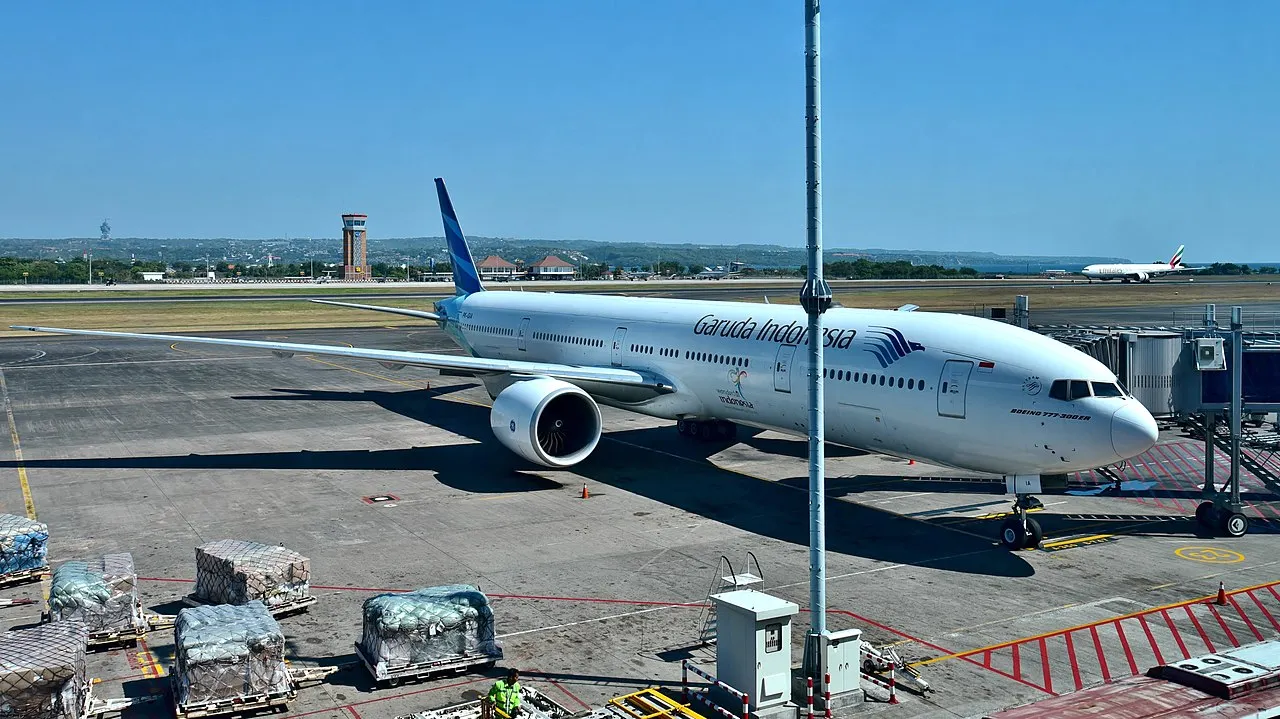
[466, 278]
[1177, 257]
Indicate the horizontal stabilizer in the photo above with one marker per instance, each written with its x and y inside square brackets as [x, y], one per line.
[908, 308]
[392, 310]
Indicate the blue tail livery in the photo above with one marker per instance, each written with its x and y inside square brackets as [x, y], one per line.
[466, 278]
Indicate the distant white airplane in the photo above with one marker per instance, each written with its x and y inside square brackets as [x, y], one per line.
[1138, 272]
[947, 389]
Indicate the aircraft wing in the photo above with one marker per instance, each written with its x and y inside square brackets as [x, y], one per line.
[396, 359]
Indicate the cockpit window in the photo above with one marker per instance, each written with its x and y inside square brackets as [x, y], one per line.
[1058, 390]
[1106, 389]
[1079, 389]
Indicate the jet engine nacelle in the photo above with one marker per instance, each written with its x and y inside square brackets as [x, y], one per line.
[546, 421]
[1142, 277]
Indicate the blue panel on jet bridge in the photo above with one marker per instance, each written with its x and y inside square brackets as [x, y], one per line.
[1260, 383]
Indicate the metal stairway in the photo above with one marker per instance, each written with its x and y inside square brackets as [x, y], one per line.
[724, 581]
[1258, 467]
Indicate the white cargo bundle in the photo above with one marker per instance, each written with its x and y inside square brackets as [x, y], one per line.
[23, 545]
[231, 571]
[102, 594]
[227, 653]
[42, 672]
[427, 627]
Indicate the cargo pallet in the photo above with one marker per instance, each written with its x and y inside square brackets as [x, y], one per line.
[23, 576]
[533, 705]
[279, 610]
[392, 676]
[128, 637]
[248, 703]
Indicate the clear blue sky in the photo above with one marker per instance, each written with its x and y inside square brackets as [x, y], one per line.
[1080, 127]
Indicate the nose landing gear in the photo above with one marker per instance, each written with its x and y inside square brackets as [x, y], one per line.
[1020, 531]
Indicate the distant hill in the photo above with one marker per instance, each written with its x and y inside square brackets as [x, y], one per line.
[418, 250]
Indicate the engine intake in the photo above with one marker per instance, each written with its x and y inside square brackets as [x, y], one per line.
[547, 421]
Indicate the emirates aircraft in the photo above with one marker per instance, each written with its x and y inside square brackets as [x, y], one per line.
[1138, 272]
[947, 389]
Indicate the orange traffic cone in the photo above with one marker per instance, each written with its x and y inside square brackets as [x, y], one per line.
[1222, 595]
[585, 493]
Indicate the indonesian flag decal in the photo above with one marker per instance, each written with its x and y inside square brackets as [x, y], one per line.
[985, 366]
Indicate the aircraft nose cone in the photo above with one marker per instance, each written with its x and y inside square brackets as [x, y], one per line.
[1133, 430]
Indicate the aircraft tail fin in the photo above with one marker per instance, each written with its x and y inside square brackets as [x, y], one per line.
[1177, 257]
[466, 278]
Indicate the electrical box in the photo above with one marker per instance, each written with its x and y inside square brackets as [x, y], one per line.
[844, 660]
[753, 645]
[1210, 354]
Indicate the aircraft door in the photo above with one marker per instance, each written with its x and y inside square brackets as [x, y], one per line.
[782, 368]
[524, 330]
[619, 336]
[953, 387]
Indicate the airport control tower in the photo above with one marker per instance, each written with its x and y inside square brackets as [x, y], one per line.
[354, 246]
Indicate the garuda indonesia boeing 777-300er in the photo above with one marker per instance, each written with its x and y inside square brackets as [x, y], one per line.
[947, 389]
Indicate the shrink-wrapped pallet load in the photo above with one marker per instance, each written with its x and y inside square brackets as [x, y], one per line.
[42, 671]
[23, 544]
[428, 625]
[228, 652]
[231, 571]
[102, 593]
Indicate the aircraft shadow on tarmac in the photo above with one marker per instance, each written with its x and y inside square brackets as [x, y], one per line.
[677, 474]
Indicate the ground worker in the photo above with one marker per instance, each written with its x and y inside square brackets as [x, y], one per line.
[505, 694]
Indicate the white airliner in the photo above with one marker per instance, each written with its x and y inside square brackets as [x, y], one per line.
[1138, 272]
[947, 389]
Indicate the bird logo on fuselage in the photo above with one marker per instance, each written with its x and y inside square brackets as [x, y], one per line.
[889, 345]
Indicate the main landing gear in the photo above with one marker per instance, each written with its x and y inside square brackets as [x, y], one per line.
[707, 430]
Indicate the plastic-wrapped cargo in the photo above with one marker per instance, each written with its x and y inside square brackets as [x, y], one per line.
[232, 571]
[23, 544]
[428, 625]
[228, 652]
[102, 593]
[42, 671]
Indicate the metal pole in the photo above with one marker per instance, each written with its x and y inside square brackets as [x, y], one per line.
[1210, 426]
[815, 297]
[1237, 386]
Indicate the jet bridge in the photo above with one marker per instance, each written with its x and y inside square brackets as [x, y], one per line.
[1210, 378]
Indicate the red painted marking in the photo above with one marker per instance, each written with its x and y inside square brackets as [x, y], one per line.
[1272, 589]
[1146, 628]
[568, 693]
[1239, 610]
[1075, 666]
[1230, 635]
[986, 659]
[1044, 663]
[1097, 648]
[1265, 613]
[353, 712]
[1128, 653]
[1173, 459]
[352, 705]
[1204, 637]
[1155, 456]
[1177, 636]
[1017, 662]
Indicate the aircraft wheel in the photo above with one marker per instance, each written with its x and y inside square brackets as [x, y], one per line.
[726, 429]
[1204, 514]
[1012, 535]
[1235, 524]
[682, 427]
[1034, 534]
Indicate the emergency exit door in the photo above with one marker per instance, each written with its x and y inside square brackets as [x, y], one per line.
[619, 336]
[953, 387]
[782, 368]
[524, 330]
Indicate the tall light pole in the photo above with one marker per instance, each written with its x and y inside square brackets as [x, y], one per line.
[815, 297]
